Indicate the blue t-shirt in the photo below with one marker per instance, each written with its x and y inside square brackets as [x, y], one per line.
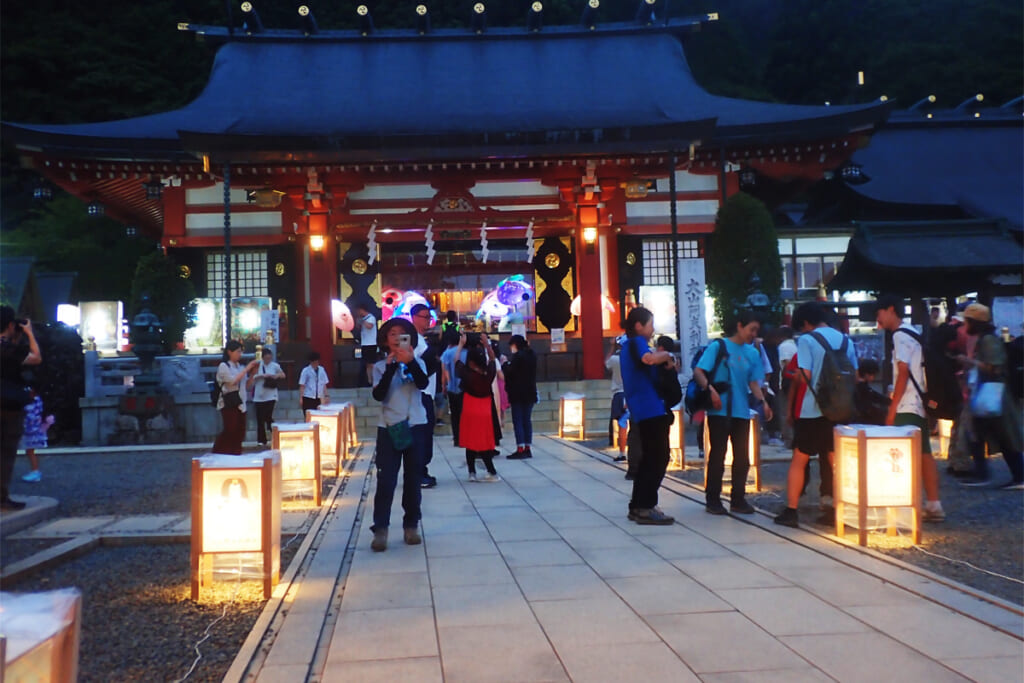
[448, 361]
[810, 356]
[638, 383]
[742, 367]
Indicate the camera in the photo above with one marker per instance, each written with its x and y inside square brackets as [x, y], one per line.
[472, 339]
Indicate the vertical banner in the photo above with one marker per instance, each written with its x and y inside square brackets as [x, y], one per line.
[691, 292]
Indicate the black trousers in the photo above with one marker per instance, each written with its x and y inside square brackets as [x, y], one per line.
[424, 434]
[651, 469]
[264, 419]
[455, 406]
[722, 431]
[12, 423]
[486, 456]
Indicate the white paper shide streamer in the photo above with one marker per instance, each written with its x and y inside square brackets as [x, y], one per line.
[429, 237]
[371, 243]
[483, 243]
[530, 249]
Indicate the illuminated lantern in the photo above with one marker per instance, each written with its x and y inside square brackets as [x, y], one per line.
[333, 419]
[571, 415]
[753, 452]
[945, 434]
[877, 472]
[606, 303]
[341, 316]
[390, 299]
[513, 291]
[491, 307]
[299, 444]
[236, 519]
[676, 442]
[41, 632]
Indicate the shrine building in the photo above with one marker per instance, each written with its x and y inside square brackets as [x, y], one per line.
[338, 166]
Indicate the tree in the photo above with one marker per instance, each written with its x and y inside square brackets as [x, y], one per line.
[171, 297]
[743, 243]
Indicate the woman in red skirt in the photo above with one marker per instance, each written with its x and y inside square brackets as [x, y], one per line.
[479, 431]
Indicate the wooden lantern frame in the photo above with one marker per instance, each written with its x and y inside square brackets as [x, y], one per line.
[332, 419]
[677, 440]
[913, 435]
[562, 428]
[753, 446]
[267, 466]
[301, 428]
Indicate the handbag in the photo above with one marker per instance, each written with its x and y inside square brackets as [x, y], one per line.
[400, 434]
[268, 382]
[665, 382]
[987, 399]
[232, 399]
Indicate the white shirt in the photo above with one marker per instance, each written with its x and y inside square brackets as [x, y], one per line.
[613, 365]
[787, 349]
[906, 349]
[231, 377]
[811, 356]
[421, 348]
[262, 394]
[368, 336]
[313, 384]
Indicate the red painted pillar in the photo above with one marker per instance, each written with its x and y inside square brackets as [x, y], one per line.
[322, 285]
[588, 285]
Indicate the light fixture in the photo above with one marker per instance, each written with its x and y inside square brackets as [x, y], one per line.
[645, 12]
[877, 471]
[333, 440]
[969, 102]
[365, 20]
[236, 519]
[860, 78]
[753, 455]
[589, 18]
[252, 23]
[535, 17]
[921, 102]
[748, 178]
[589, 235]
[478, 20]
[42, 191]
[853, 174]
[299, 444]
[316, 242]
[422, 19]
[95, 209]
[572, 414]
[153, 188]
[309, 26]
[264, 197]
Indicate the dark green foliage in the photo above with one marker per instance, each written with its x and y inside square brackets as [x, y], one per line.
[170, 296]
[743, 243]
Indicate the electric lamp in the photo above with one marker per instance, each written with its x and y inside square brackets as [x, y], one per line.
[236, 519]
[877, 470]
[299, 444]
[349, 438]
[40, 635]
[753, 452]
[571, 415]
[945, 435]
[333, 441]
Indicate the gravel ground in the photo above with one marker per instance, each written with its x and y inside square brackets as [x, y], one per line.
[984, 527]
[138, 620]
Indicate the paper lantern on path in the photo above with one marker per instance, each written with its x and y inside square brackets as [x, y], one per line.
[299, 444]
[41, 633]
[572, 415]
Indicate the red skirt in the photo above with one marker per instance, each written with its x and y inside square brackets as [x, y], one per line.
[476, 428]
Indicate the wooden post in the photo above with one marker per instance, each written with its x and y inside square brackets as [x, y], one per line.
[862, 487]
[197, 531]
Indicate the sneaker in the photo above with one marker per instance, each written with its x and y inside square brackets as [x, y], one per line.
[490, 478]
[428, 482]
[776, 442]
[1011, 486]
[976, 482]
[631, 515]
[412, 537]
[11, 504]
[619, 458]
[788, 517]
[653, 516]
[472, 478]
[518, 455]
[715, 509]
[33, 476]
[380, 541]
[934, 515]
[741, 508]
[527, 452]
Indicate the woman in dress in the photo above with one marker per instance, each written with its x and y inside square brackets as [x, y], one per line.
[231, 376]
[479, 432]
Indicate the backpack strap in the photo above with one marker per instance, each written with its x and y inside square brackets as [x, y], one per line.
[824, 343]
[722, 354]
[916, 337]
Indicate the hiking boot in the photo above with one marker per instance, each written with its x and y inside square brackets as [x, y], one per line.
[412, 537]
[788, 517]
[380, 541]
[741, 507]
[653, 516]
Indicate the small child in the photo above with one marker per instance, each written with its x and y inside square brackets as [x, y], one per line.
[34, 435]
[872, 407]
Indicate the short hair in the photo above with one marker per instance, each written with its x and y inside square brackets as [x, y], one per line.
[232, 345]
[893, 301]
[810, 312]
[867, 366]
[476, 355]
[450, 337]
[638, 315]
[519, 341]
[7, 316]
[267, 352]
[742, 318]
[452, 317]
[314, 355]
[417, 308]
[362, 306]
[666, 342]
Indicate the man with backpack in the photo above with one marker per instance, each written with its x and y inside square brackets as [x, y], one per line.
[827, 363]
[910, 393]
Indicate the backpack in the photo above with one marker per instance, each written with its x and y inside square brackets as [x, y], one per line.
[943, 399]
[695, 399]
[665, 381]
[836, 384]
[214, 388]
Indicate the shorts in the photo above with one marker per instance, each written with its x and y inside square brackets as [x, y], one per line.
[813, 436]
[618, 404]
[912, 420]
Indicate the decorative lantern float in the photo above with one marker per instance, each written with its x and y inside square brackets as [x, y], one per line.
[753, 452]
[299, 445]
[877, 476]
[572, 415]
[41, 633]
[236, 519]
